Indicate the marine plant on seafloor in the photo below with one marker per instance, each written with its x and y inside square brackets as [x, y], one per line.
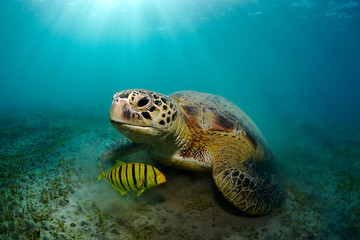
[316, 226]
[23, 206]
[33, 234]
[78, 206]
[196, 204]
[57, 236]
[44, 198]
[101, 227]
[22, 223]
[180, 232]
[75, 234]
[60, 225]
[8, 215]
[84, 204]
[3, 228]
[38, 217]
[145, 232]
[11, 227]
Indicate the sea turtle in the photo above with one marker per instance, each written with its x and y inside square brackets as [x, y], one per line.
[200, 132]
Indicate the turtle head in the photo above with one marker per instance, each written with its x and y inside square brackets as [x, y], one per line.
[143, 116]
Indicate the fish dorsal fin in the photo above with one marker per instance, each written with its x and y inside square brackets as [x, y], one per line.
[118, 164]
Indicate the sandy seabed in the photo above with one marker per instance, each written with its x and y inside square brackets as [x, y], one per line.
[49, 187]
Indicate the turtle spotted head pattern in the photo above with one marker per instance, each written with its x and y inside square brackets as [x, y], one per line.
[200, 132]
[143, 116]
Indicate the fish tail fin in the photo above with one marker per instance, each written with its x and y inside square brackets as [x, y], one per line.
[102, 172]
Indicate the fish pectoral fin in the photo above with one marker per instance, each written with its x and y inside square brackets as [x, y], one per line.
[140, 187]
[122, 192]
[139, 192]
[118, 189]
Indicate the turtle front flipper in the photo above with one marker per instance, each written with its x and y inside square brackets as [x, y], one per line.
[249, 189]
[111, 149]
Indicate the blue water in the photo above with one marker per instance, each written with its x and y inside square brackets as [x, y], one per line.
[292, 66]
[279, 57]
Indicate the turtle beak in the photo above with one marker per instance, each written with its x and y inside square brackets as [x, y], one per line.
[120, 111]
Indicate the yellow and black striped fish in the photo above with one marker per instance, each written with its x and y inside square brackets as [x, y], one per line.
[126, 177]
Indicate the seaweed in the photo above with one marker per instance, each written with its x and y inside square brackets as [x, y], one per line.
[101, 225]
[197, 203]
[60, 225]
[76, 234]
[144, 232]
[314, 229]
[22, 207]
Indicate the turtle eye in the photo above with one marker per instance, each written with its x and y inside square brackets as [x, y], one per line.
[143, 101]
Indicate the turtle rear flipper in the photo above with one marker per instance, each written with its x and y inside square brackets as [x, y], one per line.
[250, 190]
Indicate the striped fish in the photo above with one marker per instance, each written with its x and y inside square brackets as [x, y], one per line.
[126, 177]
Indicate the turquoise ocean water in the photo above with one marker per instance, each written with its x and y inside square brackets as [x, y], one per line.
[292, 66]
[295, 57]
